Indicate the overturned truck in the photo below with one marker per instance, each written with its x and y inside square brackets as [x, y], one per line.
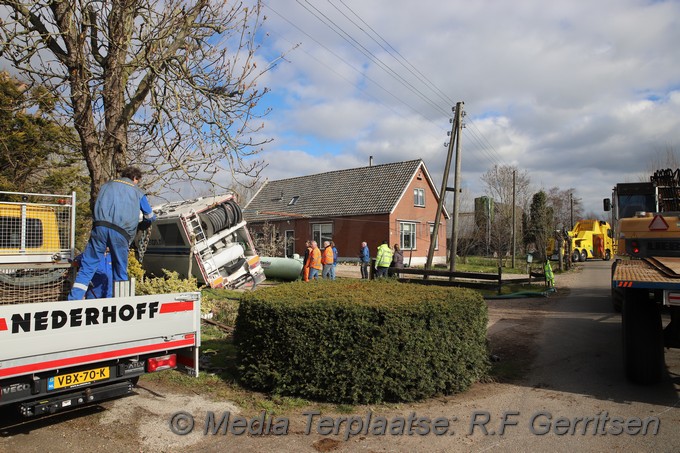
[205, 238]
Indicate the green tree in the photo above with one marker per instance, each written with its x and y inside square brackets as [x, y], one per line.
[540, 224]
[169, 85]
[38, 155]
[34, 150]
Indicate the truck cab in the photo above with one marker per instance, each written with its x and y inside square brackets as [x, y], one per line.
[646, 273]
[205, 238]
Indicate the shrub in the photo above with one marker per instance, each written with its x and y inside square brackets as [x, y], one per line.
[361, 341]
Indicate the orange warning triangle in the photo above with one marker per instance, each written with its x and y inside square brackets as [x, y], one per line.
[658, 223]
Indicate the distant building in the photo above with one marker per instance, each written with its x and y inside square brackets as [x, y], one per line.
[396, 202]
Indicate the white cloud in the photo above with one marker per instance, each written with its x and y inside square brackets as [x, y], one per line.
[580, 94]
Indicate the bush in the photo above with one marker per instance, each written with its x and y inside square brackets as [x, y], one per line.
[361, 341]
[171, 283]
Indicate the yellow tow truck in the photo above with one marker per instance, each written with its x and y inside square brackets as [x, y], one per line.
[590, 238]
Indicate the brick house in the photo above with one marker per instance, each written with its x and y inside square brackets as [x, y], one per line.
[395, 202]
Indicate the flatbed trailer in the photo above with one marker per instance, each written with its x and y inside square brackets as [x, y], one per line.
[56, 354]
[649, 273]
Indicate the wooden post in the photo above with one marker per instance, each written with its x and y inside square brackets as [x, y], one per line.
[500, 279]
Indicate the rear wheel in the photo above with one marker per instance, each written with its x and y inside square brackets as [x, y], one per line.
[643, 358]
[617, 300]
[584, 255]
[607, 255]
[575, 256]
[617, 293]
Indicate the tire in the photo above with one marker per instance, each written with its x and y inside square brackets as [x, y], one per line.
[617, 300]
[643, 355]
[607, 255]
[617, 293]
[575, 256]
[584, 255]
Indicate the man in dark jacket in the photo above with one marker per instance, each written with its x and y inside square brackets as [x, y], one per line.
[364, 259]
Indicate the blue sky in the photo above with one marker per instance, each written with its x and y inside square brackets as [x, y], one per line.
[579, 94]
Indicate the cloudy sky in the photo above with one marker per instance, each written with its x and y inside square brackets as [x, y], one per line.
[580, 94]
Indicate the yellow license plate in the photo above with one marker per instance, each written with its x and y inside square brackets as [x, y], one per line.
[77, 379]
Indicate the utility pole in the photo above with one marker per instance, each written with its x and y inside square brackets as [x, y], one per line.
[442, 196]
[571, 207]
[514, 224]
[458, 123]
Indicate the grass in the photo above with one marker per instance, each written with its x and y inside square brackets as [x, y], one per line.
[514, 288]
[490, 265]
[218, 378]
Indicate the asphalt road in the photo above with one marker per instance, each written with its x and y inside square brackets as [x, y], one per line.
[578, 373]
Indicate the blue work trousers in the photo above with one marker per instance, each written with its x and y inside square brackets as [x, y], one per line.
[100, 238]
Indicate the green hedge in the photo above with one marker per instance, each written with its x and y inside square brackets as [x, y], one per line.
[361, 341]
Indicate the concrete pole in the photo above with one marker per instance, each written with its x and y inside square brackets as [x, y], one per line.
[457, 189]
[442, 196]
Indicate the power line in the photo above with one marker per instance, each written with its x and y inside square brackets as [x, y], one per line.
[402, 60]
[377, 84]
[366, 52]
[477, 137]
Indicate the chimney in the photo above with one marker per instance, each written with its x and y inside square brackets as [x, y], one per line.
[370, 161]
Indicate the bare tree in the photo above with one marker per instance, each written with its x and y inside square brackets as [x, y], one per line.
[470, 238]
[166, 84]
[269, 241]
[498, 182]
[565, 207]
[662, 158]
[499, 186]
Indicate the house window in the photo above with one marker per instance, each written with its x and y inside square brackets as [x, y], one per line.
[322, 232]
[407, 233]
[293, 200]
[419, 197]
[436, 239]
[290, 243]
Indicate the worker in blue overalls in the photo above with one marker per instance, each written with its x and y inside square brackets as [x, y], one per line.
[115, 221]
[101, 285]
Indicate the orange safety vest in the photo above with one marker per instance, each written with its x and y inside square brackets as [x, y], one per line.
[327, 257]
[315, 258]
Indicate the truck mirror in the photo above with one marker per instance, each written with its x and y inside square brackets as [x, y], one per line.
[607, 204]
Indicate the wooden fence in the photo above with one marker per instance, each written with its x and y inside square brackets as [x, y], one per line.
[476, 280]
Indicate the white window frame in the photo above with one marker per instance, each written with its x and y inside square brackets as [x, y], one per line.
[412, 235]
[289, 248]
[319, 235]
[436, 239]
[419, 197]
